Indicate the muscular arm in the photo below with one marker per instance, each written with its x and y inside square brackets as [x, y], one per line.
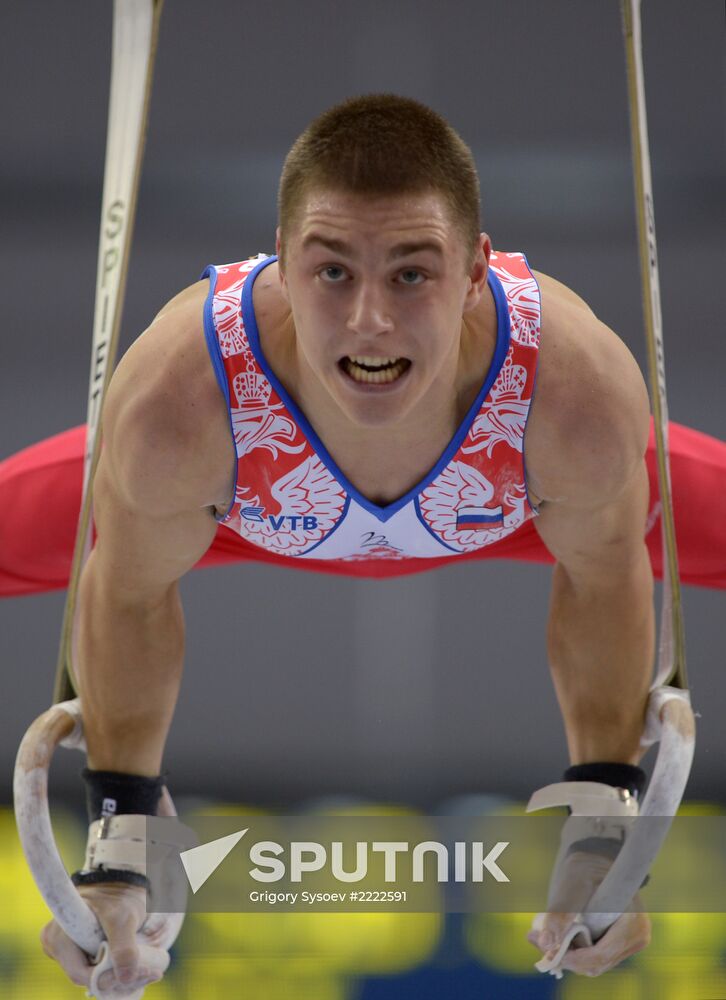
[601, 623]
[587, 461]
[152, 504]
[588, 467]
[131, 628]
[164, 467]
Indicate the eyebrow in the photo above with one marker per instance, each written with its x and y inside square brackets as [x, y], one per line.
[399, 250]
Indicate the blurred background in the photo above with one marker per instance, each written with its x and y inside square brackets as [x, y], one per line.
[304, 690]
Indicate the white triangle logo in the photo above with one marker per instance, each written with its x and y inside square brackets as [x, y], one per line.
[201, 862]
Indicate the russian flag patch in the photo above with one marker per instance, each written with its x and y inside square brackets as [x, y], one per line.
[478, 517]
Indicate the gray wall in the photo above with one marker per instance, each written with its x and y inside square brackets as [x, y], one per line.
[299, 684]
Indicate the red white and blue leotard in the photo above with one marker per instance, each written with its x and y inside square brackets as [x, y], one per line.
[287, 472]
[290, 498]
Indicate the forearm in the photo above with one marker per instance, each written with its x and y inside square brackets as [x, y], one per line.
[130, 657]
[600, 645]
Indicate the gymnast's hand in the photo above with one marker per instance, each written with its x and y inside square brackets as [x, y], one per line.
[121, 911]
[582, 874]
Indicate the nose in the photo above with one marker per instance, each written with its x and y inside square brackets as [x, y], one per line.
[369, 314]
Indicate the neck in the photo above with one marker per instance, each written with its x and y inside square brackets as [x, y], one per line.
[385, 462]
[382, 462]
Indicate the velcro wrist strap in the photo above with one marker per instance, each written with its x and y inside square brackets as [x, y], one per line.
[119, 827]
[123, 842]
[117, 842]
[596, 810]
[585, 798]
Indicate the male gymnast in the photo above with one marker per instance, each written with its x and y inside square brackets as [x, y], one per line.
[386, 389]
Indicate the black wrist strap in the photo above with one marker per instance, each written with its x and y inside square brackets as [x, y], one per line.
[112, 793]
[618, 775]
[96, 876]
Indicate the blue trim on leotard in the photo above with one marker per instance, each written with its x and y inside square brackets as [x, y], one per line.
[384, 513]
[419, 515]
[210, 336]
[332, 531]
[535, 510]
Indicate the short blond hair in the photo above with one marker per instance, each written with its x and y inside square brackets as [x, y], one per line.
[378, 145]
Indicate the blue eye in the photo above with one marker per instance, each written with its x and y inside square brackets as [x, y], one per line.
[334, 278]
[410, 271]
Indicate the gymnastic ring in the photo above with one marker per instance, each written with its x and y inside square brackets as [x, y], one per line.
[61, 724]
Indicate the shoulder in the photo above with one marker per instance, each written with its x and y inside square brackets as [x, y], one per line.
[588, 427]
[165, 422]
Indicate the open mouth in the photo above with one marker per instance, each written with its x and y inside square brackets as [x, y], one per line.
[374, 371]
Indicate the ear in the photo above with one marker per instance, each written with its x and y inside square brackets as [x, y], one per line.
[477, 277]
[280, 268]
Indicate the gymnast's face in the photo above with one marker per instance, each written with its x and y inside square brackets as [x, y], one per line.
[378, 288]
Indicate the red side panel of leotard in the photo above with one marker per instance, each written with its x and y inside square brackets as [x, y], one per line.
[40, 495]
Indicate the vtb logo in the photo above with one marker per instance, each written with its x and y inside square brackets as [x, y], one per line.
[292, 522]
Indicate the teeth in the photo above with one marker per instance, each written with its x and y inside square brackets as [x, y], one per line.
[395, 368]
[361, 359]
